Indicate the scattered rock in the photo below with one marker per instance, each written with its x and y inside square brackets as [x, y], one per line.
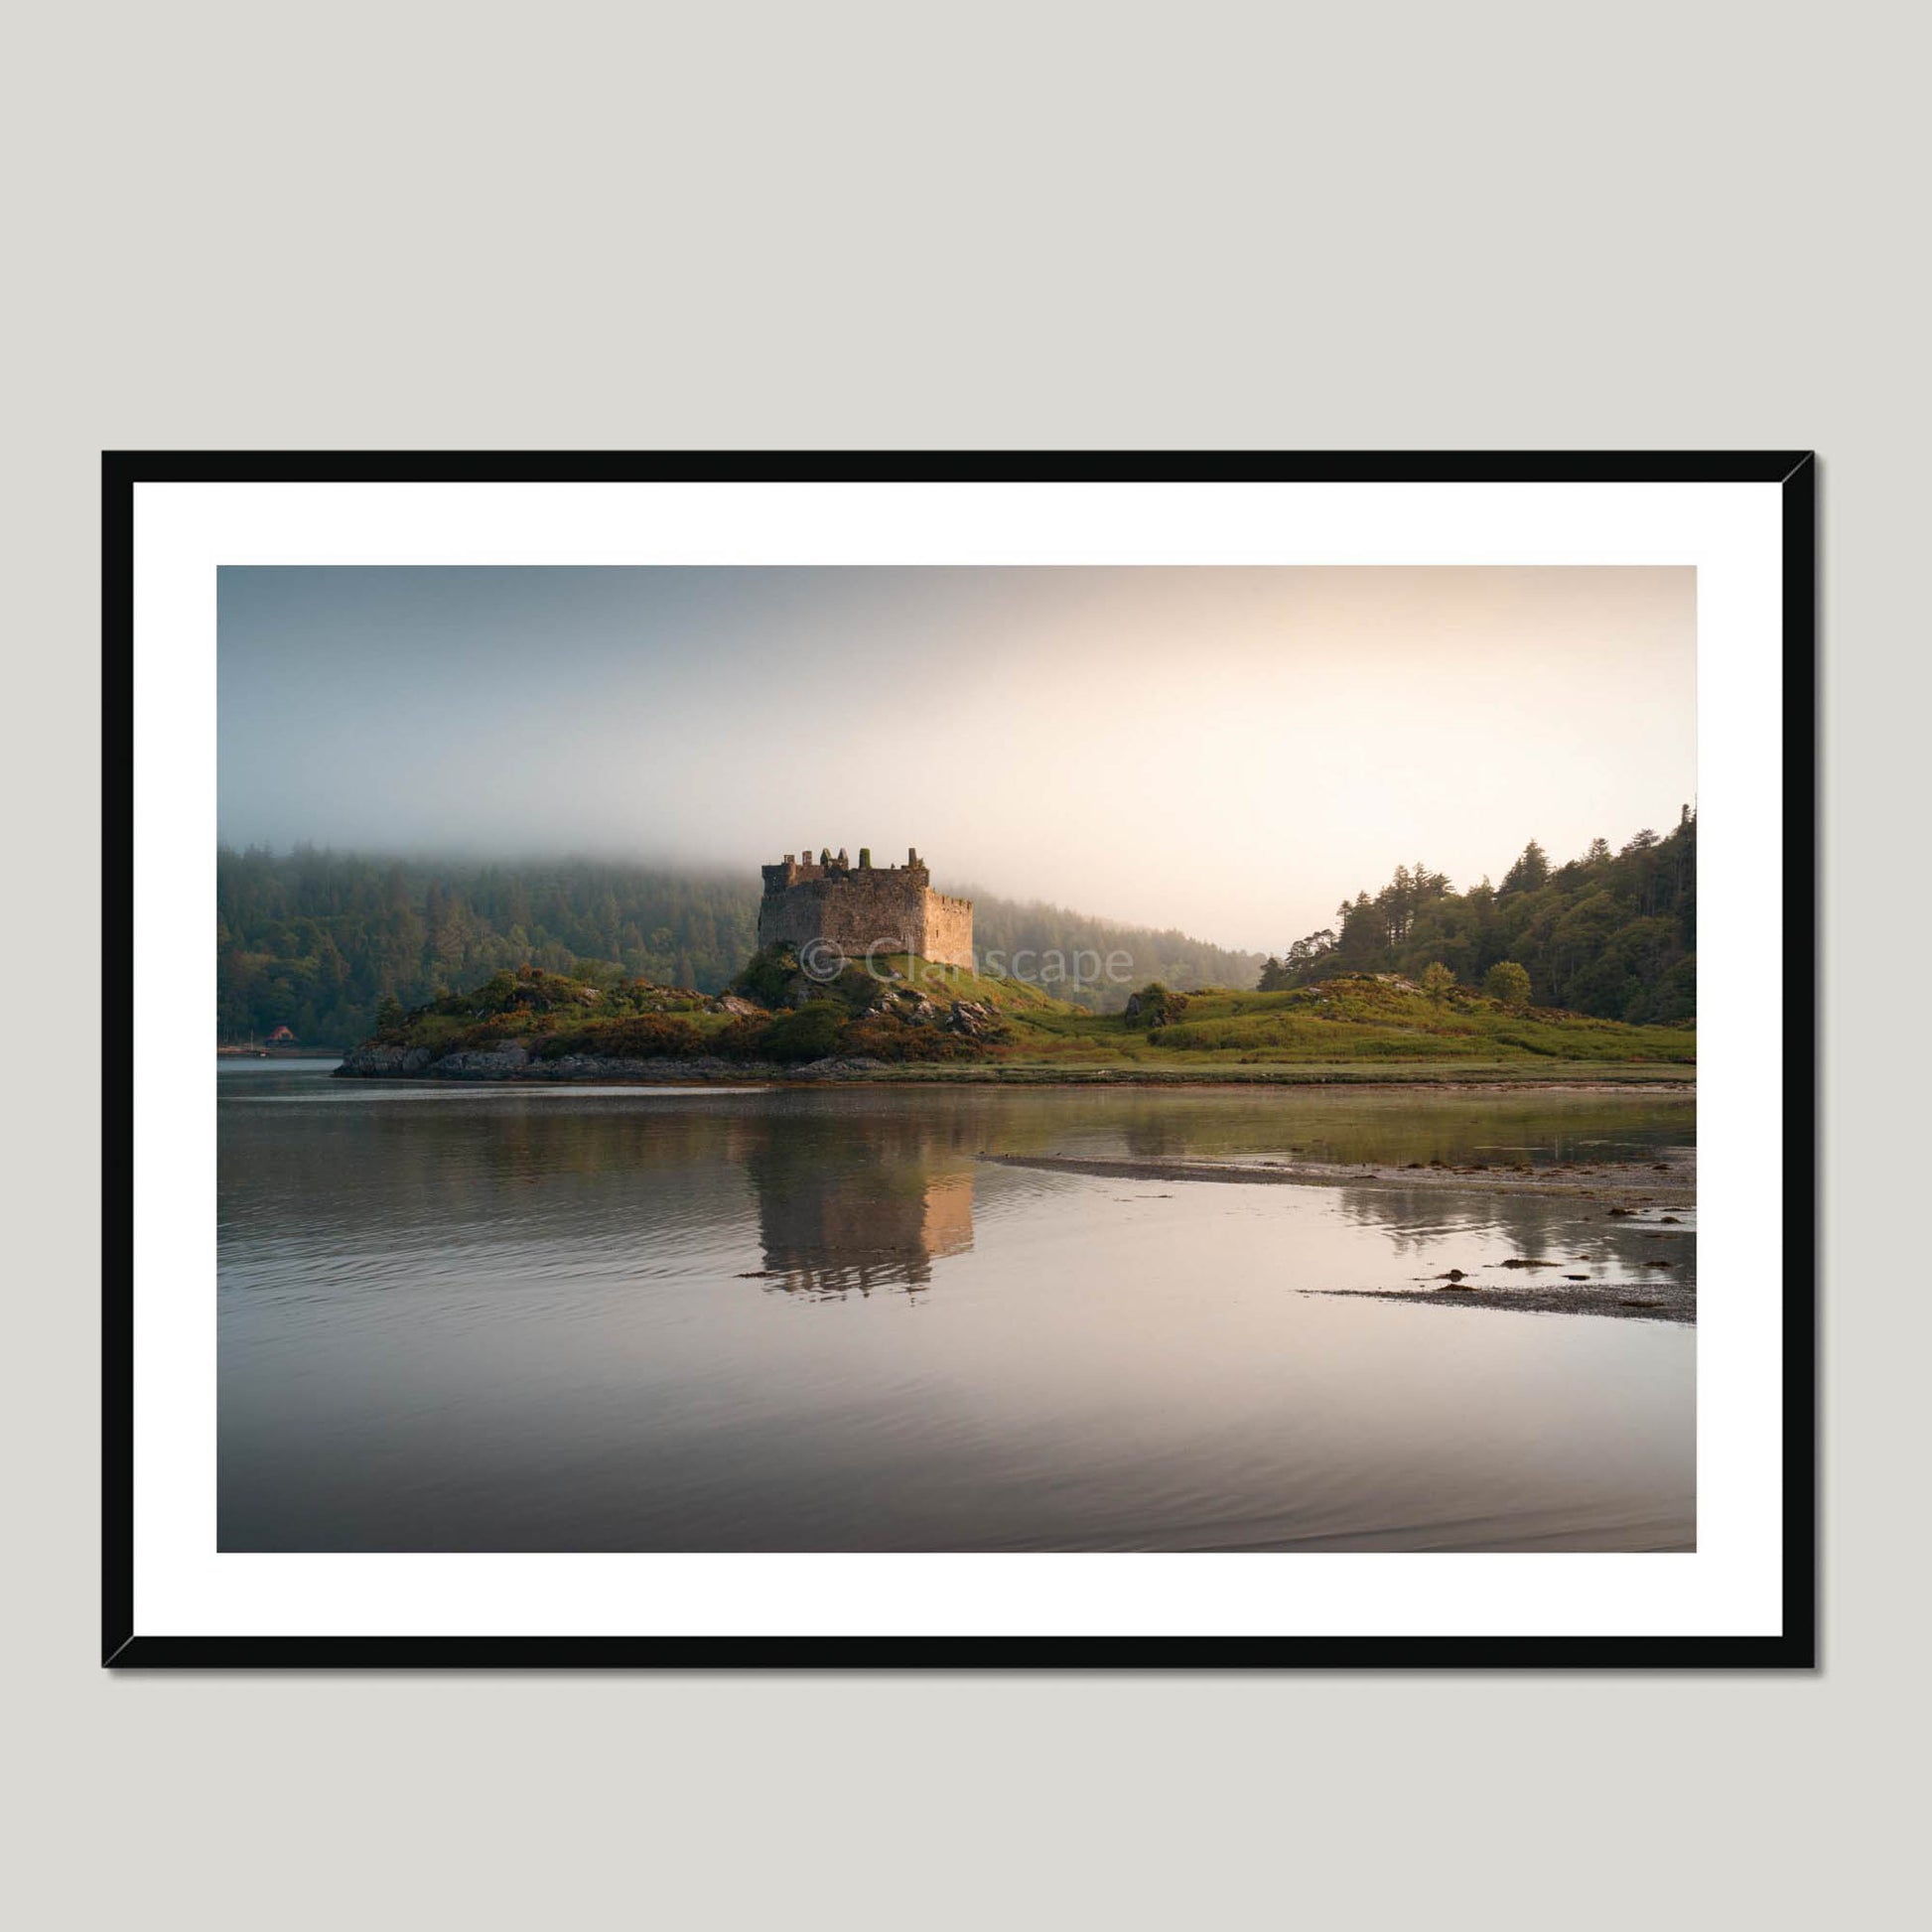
[480, 1064]
[370, 1062]
[974, 1018]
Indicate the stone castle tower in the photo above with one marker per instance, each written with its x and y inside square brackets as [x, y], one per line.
[864, 908]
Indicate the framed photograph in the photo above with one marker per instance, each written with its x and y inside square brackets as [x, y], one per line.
[960, 1059]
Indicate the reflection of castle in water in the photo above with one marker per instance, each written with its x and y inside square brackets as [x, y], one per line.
[841, 1216]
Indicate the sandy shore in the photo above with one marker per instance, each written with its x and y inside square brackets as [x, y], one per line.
[1665, 1300]
[1631, 1189]
[1650, 1199]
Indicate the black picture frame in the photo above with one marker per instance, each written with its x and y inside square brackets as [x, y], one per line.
[1795, 472]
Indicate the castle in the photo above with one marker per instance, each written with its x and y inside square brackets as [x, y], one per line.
[864, 908]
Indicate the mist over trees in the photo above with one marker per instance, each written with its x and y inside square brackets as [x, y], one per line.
[316, 940]
[1612, 934]
[1006, 927]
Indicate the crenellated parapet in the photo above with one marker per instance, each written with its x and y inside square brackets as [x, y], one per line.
[863, 908]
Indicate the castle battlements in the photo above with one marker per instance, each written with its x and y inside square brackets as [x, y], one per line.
[864, 908]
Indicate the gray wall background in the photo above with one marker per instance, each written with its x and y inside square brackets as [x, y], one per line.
[1477, 225]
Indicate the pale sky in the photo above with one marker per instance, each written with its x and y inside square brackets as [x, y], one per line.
[1227, 750]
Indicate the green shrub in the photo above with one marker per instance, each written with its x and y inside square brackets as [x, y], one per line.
[1153, 1006]
[1507, 983]
[768, 976]
[892, 1040]
[807, 1034]
[643, 1036]
[742, 1039]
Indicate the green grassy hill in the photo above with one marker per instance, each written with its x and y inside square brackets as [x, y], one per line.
[1355, 1020]
[922, 1019]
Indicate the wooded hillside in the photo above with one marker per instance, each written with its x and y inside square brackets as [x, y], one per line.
[316, 941]
[1611, 934]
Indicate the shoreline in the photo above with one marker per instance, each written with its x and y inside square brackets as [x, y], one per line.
[1667, 1302]
[1637, 1198]
[281, 1053]
[582, 1070]
[1637, 1192]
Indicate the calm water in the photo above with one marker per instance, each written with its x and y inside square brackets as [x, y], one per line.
[504, 1318]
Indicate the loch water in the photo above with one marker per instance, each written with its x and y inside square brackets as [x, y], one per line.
[644, 1318]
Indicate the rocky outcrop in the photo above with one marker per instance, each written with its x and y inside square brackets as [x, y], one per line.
[1153, 1006]
[398, 1064]
[484, 1064]
[532, 1025]
[515, 1061]
[373, 1061]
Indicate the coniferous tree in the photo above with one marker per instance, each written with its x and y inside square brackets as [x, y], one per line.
[1529, 872]
[1612, 934]
[315, 939]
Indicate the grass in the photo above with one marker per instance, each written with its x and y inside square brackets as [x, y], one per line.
[1017, 999]
[1349, 1024]
[1347, 1029]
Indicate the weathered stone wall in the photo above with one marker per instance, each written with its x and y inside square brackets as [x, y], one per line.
[948, 930]
[855, 912]
[865, 908]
